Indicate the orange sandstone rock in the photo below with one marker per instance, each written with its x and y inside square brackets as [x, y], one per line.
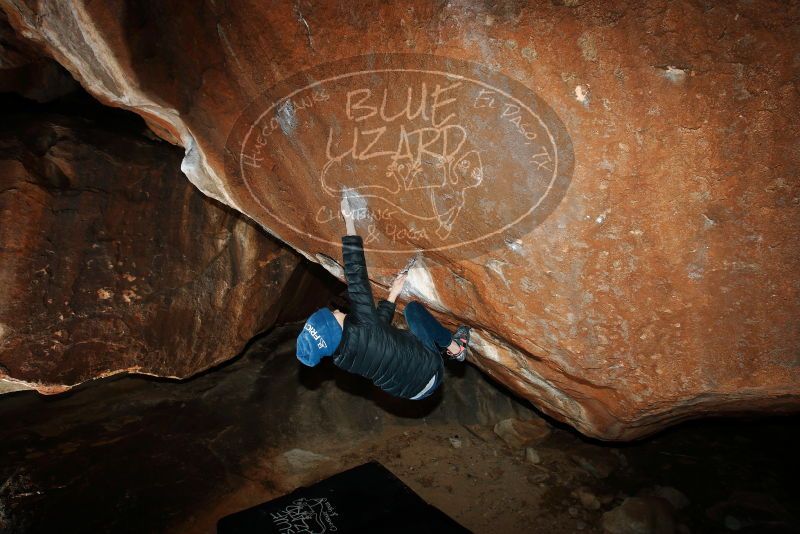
[112, 262]
[623, 194]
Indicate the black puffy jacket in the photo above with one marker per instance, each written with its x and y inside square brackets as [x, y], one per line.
[395, 360]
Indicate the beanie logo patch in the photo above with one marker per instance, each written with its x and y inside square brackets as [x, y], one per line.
[317, 337]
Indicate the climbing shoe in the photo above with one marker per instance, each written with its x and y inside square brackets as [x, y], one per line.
[461, 337]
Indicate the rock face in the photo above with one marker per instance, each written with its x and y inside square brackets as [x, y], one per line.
[112, 262]
[25, 71]
[606, 192]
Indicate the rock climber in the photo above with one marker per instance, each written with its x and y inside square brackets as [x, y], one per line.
[404, 363]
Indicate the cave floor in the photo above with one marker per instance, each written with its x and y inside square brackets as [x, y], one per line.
[141, 455]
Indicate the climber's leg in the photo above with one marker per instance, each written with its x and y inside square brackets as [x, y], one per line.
[426, 328]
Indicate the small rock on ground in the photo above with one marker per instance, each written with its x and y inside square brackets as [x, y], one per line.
[640, 515]
[587, 498]
[517, 433]
[596, 461]
[532, 455]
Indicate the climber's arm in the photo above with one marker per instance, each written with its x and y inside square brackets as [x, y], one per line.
[355, 273]
[355, 269]
[397, 286]
[386, 310]
[386, 307]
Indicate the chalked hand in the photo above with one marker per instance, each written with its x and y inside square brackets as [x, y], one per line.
[345, 207]
[347, 213]
[397, 286]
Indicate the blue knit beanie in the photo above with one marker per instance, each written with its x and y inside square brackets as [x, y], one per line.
[320, 337]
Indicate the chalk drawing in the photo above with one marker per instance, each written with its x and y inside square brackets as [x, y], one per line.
[417, 144]
[306, 516]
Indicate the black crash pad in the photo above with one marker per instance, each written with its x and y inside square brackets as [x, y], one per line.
[367, 498]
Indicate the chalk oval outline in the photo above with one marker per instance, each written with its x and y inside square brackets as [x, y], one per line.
[567, 154]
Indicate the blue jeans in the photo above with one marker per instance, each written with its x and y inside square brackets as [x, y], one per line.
[427, 329]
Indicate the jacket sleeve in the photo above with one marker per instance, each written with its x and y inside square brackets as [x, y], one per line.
[355, 273]
[386, 311]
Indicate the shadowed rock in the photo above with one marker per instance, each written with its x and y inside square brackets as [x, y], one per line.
[111, 261]
[662, 286]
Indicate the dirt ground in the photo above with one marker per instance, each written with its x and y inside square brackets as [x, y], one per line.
[482, 484]
[142, 455]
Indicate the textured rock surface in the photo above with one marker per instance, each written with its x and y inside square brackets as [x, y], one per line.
[111, 261]
[664, 284]
[25, 71]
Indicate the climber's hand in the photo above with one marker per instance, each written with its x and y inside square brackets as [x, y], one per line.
[347, 213]
[397, 286]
